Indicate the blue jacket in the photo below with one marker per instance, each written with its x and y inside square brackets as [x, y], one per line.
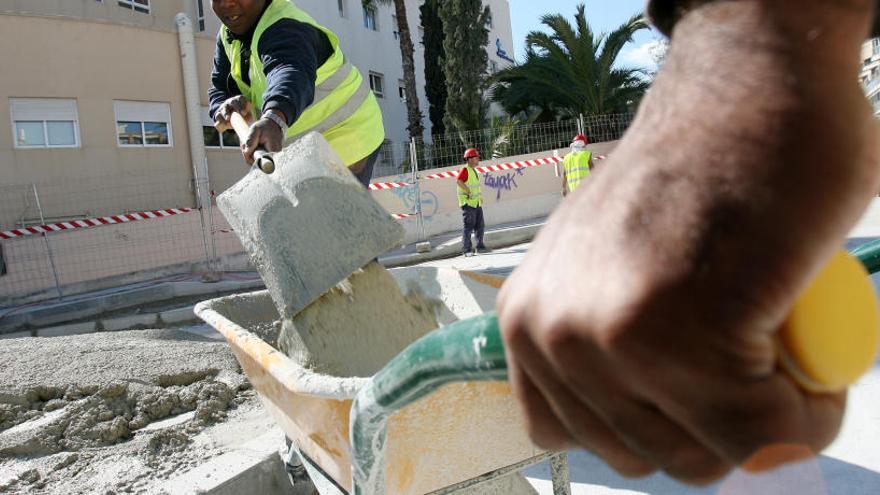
[291, 52]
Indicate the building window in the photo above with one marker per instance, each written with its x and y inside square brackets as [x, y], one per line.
[394, 26]
[401, 89]
[875, 45]
[227, 140]
[136, 5]
[141, 123]
[370, 19]
[342, 10]
[493, 66]
[213, 138]
[44, 123]
[200, 10]
[490, 23]
[376, 84]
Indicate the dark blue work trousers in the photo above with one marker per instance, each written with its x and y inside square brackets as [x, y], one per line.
[473, 223]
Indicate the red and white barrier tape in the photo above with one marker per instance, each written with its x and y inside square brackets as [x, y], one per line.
[91, 222]
[401, 216]
[452, 174]
[377, 186]
[149, 215]
[550, 160]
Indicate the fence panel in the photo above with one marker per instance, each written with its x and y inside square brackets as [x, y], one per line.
[25, 260]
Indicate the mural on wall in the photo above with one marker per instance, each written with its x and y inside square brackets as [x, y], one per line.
[502, 182]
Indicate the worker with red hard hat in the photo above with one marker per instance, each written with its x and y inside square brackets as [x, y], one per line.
[470, 199]
[577, 165]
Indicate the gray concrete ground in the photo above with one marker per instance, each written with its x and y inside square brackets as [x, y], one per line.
[119, 412]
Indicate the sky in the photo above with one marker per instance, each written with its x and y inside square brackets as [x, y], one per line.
[603, 16]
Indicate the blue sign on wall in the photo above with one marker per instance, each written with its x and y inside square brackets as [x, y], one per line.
[501, 53]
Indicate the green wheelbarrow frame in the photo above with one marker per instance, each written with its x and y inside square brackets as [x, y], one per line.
[468, 350]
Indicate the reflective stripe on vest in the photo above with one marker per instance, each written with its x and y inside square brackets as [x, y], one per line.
[577, 167]
[472, 184]
[344, 108]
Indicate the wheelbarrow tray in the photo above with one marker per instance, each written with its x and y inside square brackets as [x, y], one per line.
[460, 432]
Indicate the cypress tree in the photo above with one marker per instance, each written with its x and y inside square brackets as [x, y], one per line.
[435, 79]
[464, 63]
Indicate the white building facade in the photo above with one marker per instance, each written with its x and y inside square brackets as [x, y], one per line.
[369, 40]
[95, 88]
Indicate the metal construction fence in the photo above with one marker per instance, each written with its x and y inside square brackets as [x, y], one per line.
[63, 237]
[504, 138]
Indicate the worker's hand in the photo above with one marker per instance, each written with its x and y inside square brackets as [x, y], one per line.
[264, 133]
[642, 323]
[238, 104]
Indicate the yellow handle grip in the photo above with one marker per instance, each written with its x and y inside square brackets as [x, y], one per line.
[830, 338]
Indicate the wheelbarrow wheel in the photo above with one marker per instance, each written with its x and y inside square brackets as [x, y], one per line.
[296, 471]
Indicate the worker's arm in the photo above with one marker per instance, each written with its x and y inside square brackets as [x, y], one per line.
[751, 158]
[291, 53]
[463, 185]
[224, 97]
[564, 182]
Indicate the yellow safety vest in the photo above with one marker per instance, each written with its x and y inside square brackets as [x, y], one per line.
[344, 110]
[577, 168]
[472, 184]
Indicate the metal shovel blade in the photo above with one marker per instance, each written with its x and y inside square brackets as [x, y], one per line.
[308, 225]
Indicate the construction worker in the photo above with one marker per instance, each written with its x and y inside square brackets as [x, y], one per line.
[662, 356]
[470, 199]
[273, 57]
[577, 164]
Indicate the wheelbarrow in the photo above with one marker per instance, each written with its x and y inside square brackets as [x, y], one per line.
[439, 418]
[459, 437]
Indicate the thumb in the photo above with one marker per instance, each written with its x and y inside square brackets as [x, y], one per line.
[250, 145]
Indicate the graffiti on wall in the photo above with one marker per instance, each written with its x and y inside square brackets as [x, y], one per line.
[409, 199]
[502, 182]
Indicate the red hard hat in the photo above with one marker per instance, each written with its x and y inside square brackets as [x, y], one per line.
[471, 153]
[581, 138]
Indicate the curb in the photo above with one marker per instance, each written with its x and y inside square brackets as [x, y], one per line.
[494, 239]
[47, 318]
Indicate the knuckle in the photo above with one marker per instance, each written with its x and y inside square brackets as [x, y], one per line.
[560, 337]
[632, 466]
[624, 461]
[545, 436]
[698, 468]
[514, 330]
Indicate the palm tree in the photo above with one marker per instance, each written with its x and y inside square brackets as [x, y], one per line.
[572, 71]
[413, 113]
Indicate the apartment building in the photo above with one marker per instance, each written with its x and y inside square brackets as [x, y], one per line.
[869, 76]
[94, 91]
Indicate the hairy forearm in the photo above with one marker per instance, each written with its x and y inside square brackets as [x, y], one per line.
[768, 145]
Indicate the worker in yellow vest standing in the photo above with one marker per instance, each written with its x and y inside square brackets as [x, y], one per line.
[577, 164]
[470, 199]
[274, 58]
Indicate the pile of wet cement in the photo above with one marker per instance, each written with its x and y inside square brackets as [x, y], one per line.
[358, 326]
[64, 400]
